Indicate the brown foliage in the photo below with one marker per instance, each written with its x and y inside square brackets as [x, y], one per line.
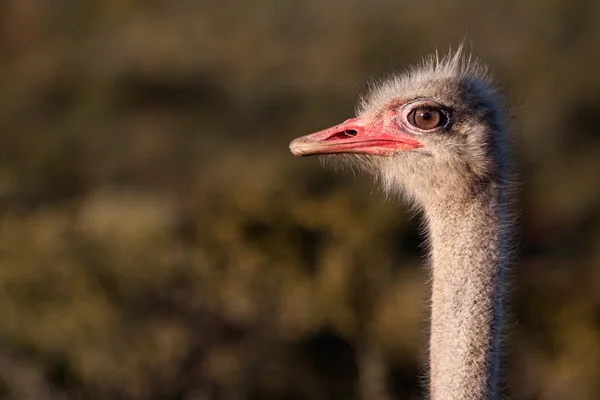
[157, 240]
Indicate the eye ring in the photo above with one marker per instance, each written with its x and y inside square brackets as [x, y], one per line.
[427, 118]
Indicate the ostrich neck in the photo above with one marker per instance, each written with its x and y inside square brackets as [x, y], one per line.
[467, 246]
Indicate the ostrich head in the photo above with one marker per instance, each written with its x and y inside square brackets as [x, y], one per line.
[432, 132]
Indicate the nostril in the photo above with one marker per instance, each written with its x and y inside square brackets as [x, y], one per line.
[341, 135]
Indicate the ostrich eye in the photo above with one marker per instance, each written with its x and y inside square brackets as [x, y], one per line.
[426, 118]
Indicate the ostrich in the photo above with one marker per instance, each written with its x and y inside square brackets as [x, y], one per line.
[435, 136]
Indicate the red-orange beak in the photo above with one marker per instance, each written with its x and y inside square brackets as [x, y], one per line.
[356, 135]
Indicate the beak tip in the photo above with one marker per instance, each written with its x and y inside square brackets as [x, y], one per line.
[296, 148]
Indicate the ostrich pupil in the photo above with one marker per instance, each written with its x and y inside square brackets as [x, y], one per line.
[426, 119]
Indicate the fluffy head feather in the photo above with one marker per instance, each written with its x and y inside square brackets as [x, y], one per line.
[453, 162]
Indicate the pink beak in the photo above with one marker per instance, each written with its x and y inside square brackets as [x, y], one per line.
[356, 135]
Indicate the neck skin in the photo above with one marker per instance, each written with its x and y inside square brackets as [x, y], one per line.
[467, 259]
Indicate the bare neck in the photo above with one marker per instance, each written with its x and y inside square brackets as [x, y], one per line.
[467, 257]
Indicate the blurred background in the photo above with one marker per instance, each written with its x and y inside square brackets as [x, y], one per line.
[159, 241]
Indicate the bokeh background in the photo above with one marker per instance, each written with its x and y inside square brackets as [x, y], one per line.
[158, 241]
